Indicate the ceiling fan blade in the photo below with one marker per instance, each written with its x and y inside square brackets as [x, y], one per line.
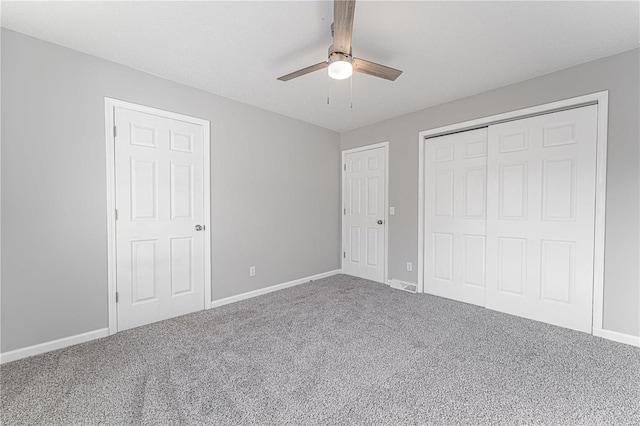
[304, 71]
[343, 11]
[376, 70]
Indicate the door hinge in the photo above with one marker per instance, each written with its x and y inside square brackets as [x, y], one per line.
[345, 167]
[114, 131]
[117, 297]
[344, 254]
[344, 211]
[116, 214]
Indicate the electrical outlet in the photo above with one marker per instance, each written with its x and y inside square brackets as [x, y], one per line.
[392, 211]
[409, 266]
[252, 271]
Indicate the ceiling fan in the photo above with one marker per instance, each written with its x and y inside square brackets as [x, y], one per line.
[340, 62]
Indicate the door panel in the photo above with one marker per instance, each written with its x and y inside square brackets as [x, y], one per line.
[364, 192]
[159, 172]
[143, 190]
[181, 196]
[455, 216]
[540, 217]
[181, 252]
[144, 263]
[512, 265]
[474, 260]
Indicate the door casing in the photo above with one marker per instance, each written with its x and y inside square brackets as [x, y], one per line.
[109, 119]
[385, 146]
[601, 99]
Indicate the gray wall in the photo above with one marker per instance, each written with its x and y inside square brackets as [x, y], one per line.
[620, 75]
[275, 189]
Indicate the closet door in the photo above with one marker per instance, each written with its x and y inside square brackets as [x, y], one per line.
[455, 216]
[540, 217]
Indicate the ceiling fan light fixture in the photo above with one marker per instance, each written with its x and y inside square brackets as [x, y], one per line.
[340, 66]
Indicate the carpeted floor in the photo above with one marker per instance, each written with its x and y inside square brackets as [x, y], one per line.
[336, 351]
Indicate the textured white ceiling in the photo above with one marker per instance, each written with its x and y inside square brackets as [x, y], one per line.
[236, 49]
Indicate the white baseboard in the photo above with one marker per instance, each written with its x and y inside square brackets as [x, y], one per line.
[617, 337]
[104, 332]
[52, 345]
[259, 292]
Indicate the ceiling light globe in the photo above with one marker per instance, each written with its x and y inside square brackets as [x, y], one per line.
[339, 70]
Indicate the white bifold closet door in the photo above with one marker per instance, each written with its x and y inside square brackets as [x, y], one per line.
[455, 216]
[509, 217]
[540, 217]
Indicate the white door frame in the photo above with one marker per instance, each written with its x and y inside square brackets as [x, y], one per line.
[109, 119]
[384, 145]
[601, 99]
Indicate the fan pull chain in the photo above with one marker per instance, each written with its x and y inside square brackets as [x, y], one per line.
[328, 84]
[351, 91]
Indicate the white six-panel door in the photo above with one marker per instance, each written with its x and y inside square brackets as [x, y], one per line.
[540, 217]
[455, 216]
[364, 214]
[159, 175]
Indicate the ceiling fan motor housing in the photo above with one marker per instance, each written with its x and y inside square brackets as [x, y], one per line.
[335, 56]
[339, 57]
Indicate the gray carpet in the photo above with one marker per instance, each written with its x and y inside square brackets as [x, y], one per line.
[336, 351]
